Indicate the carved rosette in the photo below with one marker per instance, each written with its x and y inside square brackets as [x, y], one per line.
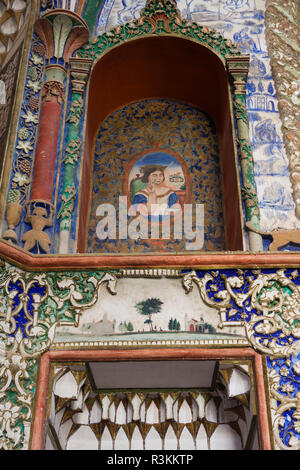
[158, 12]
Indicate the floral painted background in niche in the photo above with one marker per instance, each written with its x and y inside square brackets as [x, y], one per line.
[159, 127]
[242, 21]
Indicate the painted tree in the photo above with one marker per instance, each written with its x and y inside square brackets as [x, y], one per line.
[129, 326]
[149, 307]
[174, 324]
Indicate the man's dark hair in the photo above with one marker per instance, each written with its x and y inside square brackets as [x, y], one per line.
[147, 170]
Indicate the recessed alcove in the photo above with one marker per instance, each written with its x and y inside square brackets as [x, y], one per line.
[177, 145]
[164, 68]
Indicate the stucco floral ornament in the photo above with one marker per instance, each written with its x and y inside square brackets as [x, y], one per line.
[268, 305]
[34, 303]
[9, 435]
[14, 370]
[285, 407]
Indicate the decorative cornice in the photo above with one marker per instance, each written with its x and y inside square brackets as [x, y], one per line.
[160, 18]
[33, 262]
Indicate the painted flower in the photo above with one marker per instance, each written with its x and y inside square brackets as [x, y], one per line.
[264, 328]
[221, 294]
[24, 298]
[15, 363]
[4, 443]
[19, 361]
[268, 296]
[5, 326]
[21, 179]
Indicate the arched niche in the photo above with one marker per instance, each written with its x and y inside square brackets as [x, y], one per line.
[173, 68]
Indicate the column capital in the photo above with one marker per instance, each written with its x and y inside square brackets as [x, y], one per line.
[238, 68]
[62, 32]
[80, 70]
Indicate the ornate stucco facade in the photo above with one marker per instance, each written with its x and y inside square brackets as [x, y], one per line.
[206, 94]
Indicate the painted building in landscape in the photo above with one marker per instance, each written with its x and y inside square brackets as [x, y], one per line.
[149, 209]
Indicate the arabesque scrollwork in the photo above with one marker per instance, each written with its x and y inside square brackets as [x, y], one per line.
[269, 306]
[32, 305]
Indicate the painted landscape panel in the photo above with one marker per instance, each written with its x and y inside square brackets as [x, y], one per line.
[145, 310]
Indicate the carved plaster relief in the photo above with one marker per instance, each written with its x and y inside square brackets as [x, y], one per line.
[265, 302]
